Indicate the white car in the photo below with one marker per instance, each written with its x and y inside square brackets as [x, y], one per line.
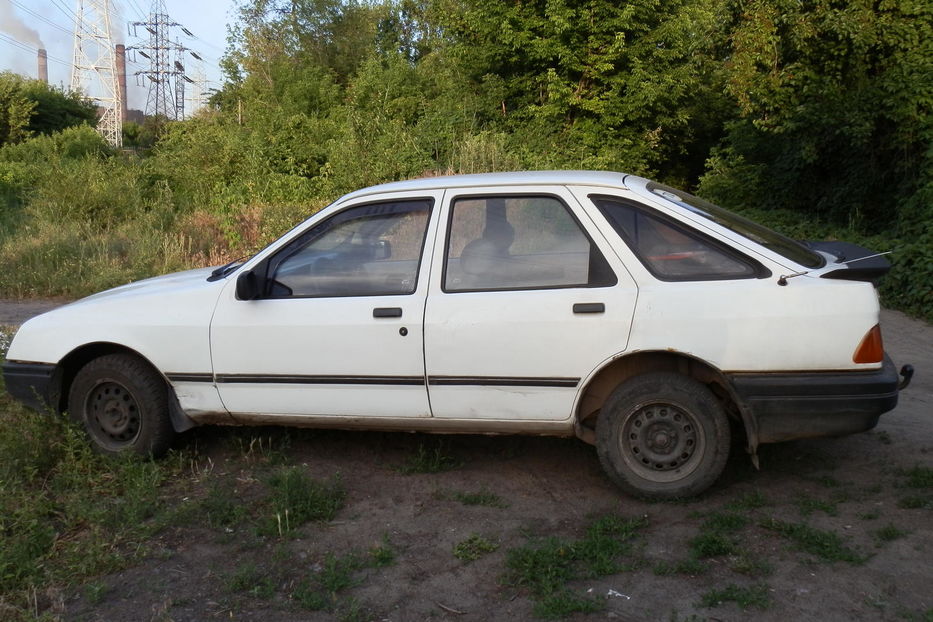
[634, 316]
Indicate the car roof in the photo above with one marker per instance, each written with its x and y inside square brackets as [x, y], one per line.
[520, 178]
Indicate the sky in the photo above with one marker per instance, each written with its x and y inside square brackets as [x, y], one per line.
[31, 24]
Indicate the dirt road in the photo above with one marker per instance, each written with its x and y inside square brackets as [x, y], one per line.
[831, 529]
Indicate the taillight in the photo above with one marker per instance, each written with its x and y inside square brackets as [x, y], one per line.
[871, 349]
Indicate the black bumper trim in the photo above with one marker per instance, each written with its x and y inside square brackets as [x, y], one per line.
[787, 406]
[30, 383]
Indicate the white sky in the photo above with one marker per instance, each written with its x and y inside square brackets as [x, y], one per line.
[52, 22]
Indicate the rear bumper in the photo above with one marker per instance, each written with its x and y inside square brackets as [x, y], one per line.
[31, 383]
[786, 406]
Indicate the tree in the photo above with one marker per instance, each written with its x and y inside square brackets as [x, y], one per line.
[15, 110]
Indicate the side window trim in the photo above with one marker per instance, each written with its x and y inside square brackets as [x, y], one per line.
[759, 270]
[450, 201]
[271, 263]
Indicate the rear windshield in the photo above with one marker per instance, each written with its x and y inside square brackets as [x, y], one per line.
[772, 240]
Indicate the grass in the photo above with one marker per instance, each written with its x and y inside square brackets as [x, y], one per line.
[756, 596]
[473, 548]
[482, 497]
[825, 545]
[250, 579]
[888, 533]
[296, 499]
[434, 459]
[807, 505]
[918, 477]
[546, 566]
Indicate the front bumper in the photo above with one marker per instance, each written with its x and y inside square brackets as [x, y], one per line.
[31, 383]
[787, 406]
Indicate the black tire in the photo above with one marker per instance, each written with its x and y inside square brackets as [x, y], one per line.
[123, 405]
[663, 436]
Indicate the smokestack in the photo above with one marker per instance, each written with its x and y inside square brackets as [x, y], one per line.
[43, 66]
[121, 78]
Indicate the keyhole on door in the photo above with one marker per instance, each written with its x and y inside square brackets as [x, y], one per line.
[403, 331]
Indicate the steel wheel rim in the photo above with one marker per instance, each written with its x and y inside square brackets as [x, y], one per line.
[661, 441]
[113, 415]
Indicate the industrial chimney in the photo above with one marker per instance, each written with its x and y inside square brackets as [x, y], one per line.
[43, 66]
[121, 78]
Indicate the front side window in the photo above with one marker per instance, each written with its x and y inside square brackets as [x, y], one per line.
[368, 250]
[670, 251]
[519, 242]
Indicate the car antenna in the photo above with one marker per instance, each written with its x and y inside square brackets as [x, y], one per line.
[783, 280]
[867, 257]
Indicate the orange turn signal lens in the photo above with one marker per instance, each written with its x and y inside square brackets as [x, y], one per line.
[871, 349]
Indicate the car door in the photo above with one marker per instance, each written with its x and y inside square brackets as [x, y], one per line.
[338, 327]
[526, 300]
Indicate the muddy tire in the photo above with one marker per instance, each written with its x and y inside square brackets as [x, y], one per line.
[123, 405]
[662, 436]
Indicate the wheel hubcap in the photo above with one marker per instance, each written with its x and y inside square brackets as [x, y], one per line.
[660, 437]
[112, 414]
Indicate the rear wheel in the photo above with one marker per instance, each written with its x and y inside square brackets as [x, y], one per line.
[123, 405]
[663, 435]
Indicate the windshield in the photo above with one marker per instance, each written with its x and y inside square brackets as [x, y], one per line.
[772, 240]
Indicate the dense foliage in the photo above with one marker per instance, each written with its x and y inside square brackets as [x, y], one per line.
[811, 116]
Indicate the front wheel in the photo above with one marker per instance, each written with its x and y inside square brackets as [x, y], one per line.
[123, 405]
[662, 435]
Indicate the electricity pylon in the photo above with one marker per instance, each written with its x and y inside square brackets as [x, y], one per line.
[94, 71]
[166, 75]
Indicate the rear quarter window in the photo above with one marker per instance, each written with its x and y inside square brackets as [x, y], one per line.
[672, 251]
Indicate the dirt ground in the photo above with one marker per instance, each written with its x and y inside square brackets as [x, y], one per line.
[855, 487]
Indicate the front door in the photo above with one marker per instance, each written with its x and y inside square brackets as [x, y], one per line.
[338, 329]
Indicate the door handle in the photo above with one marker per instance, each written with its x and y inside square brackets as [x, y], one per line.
[387, 312]
[589, 307]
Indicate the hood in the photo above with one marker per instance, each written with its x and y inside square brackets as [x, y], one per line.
[168, 283]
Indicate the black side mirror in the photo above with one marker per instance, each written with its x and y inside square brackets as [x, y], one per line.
[249, 285]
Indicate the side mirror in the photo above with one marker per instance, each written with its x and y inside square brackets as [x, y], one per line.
[249, 285]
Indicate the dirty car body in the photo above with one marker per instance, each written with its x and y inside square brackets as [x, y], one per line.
[634, 316]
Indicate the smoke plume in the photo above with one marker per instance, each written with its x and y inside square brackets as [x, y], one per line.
[11, 24]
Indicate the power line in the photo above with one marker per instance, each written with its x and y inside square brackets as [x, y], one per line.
[28, 48]
[41, 17]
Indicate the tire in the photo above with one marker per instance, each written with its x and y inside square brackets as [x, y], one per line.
[123, 405]
[662, 436]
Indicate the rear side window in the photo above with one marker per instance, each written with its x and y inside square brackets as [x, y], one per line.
[671, 251]
[519, 242]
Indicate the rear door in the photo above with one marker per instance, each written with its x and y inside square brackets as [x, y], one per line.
[526, 300]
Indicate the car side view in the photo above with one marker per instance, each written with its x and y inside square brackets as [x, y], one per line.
[636, 317]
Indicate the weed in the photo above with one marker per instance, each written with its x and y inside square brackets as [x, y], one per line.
[745, 597]
[720, 522]
[884, 437]
[337, 572]
[251, 579]
[824, 544]
[919, 477]
[482, 497]
[749, 501]
[708, 545]
[871, 515]
[807, 505]
[690, 567]
[545, 566]
[297, 498]
[382, 554]
[889, 533]
[752, 566]
[430, 460]
[915, 502]
[222, 508]
[563, 603]
[95, 592]
[351, 610]
[473, 548]
[309, 597]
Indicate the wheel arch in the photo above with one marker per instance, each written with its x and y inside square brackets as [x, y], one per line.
[603, 381]
[71, 363]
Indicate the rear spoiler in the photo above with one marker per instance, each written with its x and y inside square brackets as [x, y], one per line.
[856, 263]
